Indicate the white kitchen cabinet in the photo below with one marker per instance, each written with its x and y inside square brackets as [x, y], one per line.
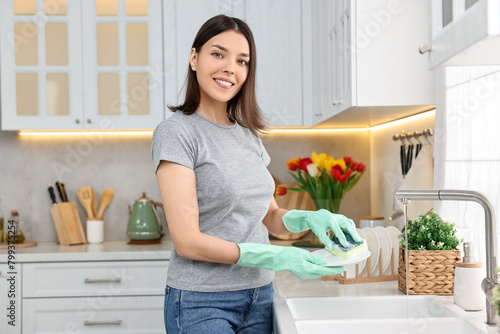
[103, 314]
[374, 71]
[10, 300]
[278, 33]
[81, 64]
[464, 32]
[94, 297]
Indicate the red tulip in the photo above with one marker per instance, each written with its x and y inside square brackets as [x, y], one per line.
[343, 178]
[348, 173]
[347, 160]
[280, 191]
[304, 162]
[337, 167]
[336, 174]
[361, 167]
[354, 165]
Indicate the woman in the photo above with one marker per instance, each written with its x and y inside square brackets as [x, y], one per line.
[218, 195]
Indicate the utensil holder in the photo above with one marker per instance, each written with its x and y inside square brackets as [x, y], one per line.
[67, 223]
[95, 231]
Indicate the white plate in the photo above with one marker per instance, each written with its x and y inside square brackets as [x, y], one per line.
[337, 261]
[394, 233]
[351, 270]
[373, 247]
[385, 242]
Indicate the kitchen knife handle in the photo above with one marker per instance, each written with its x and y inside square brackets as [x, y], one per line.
[60, 189]
[52, 195]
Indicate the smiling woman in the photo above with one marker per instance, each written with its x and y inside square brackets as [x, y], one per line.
[217, 193]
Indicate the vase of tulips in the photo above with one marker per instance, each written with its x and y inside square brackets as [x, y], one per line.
[326, 179]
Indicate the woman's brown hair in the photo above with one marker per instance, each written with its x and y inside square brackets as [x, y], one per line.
[243, 107]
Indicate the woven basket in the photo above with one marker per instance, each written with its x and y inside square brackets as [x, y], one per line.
[430, 272]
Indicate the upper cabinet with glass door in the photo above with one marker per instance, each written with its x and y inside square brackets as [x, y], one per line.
[41, 57]
[81, 64]
[464, 32]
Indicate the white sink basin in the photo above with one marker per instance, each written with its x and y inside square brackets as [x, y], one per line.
[353, 315]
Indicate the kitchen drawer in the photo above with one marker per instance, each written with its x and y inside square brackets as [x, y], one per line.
[77, 279]
[104, 315]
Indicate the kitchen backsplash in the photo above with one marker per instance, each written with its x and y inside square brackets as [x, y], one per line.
[30, 164]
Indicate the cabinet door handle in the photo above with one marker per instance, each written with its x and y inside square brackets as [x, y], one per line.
[103, 280]
[97, 323]
[335, 102]
[77, 121]
[318, 114]
[89, 120]
[423, 48]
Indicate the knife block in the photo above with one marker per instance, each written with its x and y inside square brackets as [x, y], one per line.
[68, 225]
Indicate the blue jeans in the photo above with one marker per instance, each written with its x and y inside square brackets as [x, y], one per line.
[244, 311]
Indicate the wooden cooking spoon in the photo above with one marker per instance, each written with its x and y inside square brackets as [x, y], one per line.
[106, 197]
[85, 196]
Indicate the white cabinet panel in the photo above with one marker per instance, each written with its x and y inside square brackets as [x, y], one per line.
[465, 33]
[277, 30]
[10, 300]
[103, 314]
[94, 278]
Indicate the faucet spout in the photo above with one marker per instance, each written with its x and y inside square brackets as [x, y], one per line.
[490, 231]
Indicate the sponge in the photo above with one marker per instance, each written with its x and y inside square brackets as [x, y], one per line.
[351, 250]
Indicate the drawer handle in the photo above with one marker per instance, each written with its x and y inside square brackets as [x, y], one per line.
[103, 280]
[97, 323]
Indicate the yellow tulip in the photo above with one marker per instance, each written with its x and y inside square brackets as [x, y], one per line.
[319, 159]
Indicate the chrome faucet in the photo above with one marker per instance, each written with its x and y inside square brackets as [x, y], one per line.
[490, 232]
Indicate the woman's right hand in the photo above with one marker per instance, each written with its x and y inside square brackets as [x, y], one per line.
[299, 262]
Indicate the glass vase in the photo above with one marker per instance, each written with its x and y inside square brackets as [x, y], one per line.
[330, 204]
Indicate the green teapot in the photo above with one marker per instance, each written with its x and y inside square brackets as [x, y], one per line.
[143, 222]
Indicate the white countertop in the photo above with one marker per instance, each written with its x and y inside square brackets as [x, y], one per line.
[107, 251]
[286, 284]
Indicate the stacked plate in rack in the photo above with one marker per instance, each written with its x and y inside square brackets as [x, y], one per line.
[383, 242]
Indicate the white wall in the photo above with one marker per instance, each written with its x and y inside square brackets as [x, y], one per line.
[386, 168]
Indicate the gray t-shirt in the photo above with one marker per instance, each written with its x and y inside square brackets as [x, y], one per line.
[234, 190]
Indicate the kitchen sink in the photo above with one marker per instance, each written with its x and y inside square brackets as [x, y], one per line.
[387, 314]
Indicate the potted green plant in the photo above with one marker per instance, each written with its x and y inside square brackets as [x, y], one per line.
[432, 255]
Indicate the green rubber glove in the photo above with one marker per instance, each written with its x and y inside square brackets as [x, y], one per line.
[320, 222]
[300, 262]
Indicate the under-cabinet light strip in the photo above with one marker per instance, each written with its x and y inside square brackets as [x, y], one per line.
[271, 130]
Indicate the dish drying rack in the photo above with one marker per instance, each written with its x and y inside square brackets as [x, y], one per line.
[343, 279]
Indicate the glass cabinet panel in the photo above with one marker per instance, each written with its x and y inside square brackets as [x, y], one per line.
[469, 3]
[447, 12]
[56, 43]
[138, 93]
[57, 94]
[137, 44]
[24, 7]
[107, 44]
[56, 7]
[106, 7]
[136, 7]
[108, 92]
[26, 42]
[27, 94]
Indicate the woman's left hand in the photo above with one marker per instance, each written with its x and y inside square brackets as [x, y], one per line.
[320, 222]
